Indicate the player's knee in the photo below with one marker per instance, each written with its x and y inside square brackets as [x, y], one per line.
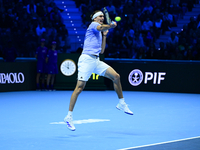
[116, 77]
[79, 89]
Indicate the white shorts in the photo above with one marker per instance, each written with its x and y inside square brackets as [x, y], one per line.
[88, 64]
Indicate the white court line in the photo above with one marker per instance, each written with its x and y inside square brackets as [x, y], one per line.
[83, 121]
[160, 143]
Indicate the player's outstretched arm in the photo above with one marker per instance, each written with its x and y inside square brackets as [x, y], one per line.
[105, 27]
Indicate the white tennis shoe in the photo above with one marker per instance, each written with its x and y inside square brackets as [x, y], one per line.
[69, 121]
[124, 107]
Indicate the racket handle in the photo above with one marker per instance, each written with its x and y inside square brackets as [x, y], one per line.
[112, 22]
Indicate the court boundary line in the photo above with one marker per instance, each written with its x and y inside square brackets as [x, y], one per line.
[173, 141]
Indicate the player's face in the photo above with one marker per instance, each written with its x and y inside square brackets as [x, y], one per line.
[100, 19]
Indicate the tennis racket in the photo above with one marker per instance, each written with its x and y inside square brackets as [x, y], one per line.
[107, 17]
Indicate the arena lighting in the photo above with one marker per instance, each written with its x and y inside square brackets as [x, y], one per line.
[64, 6]
[63, 2]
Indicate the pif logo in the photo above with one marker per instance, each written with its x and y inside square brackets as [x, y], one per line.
[135, 77]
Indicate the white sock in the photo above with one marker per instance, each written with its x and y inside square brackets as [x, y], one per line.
[121, 100]
[69, 113]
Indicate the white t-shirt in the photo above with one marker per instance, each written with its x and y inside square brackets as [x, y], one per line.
[93, 40]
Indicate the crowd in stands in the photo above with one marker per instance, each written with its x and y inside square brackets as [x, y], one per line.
[23, 23]
[143, 21]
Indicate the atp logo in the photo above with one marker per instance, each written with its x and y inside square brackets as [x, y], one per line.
[135, 77]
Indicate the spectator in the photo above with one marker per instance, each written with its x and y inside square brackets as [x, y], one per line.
[157, 15]
[9, 53]
[117, 39]
[31, 7]
[57, 23]
[147, 14]
[128, 9]
[15, 27]
[158, 27]
[137, 24]
[139, 14]
[86, 16]
[149, 39]
[111, 9]
[10, 18]
[148, 7]
[182, 44]
[23, 22]
[175, 10]
[50, 29]
[127, 40]
[33, 19]
[140, 53]
[138, 5]
[40, 9]
[3, 21]
[193, 39]
[40, 29]
[63, 30]
[173, 39]
[192, 24]
[177, 55]
[55, 13]
[189, 54]
[64, 43]
[166, 55]
[157, 6]
[151, 53]
[19, 43]
[147, 25]
[53, 37]
[31, 44]
[167, 22]
[11, 14]
[138, 41]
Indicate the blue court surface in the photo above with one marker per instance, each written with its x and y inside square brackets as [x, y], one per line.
[33, 120]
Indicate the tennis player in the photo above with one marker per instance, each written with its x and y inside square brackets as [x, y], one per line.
[88, 63]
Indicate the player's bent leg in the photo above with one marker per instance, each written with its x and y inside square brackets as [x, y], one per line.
[79, 88]
[69, 118]
[115, 77]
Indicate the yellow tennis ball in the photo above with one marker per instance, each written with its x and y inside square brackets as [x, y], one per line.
[117, 18]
